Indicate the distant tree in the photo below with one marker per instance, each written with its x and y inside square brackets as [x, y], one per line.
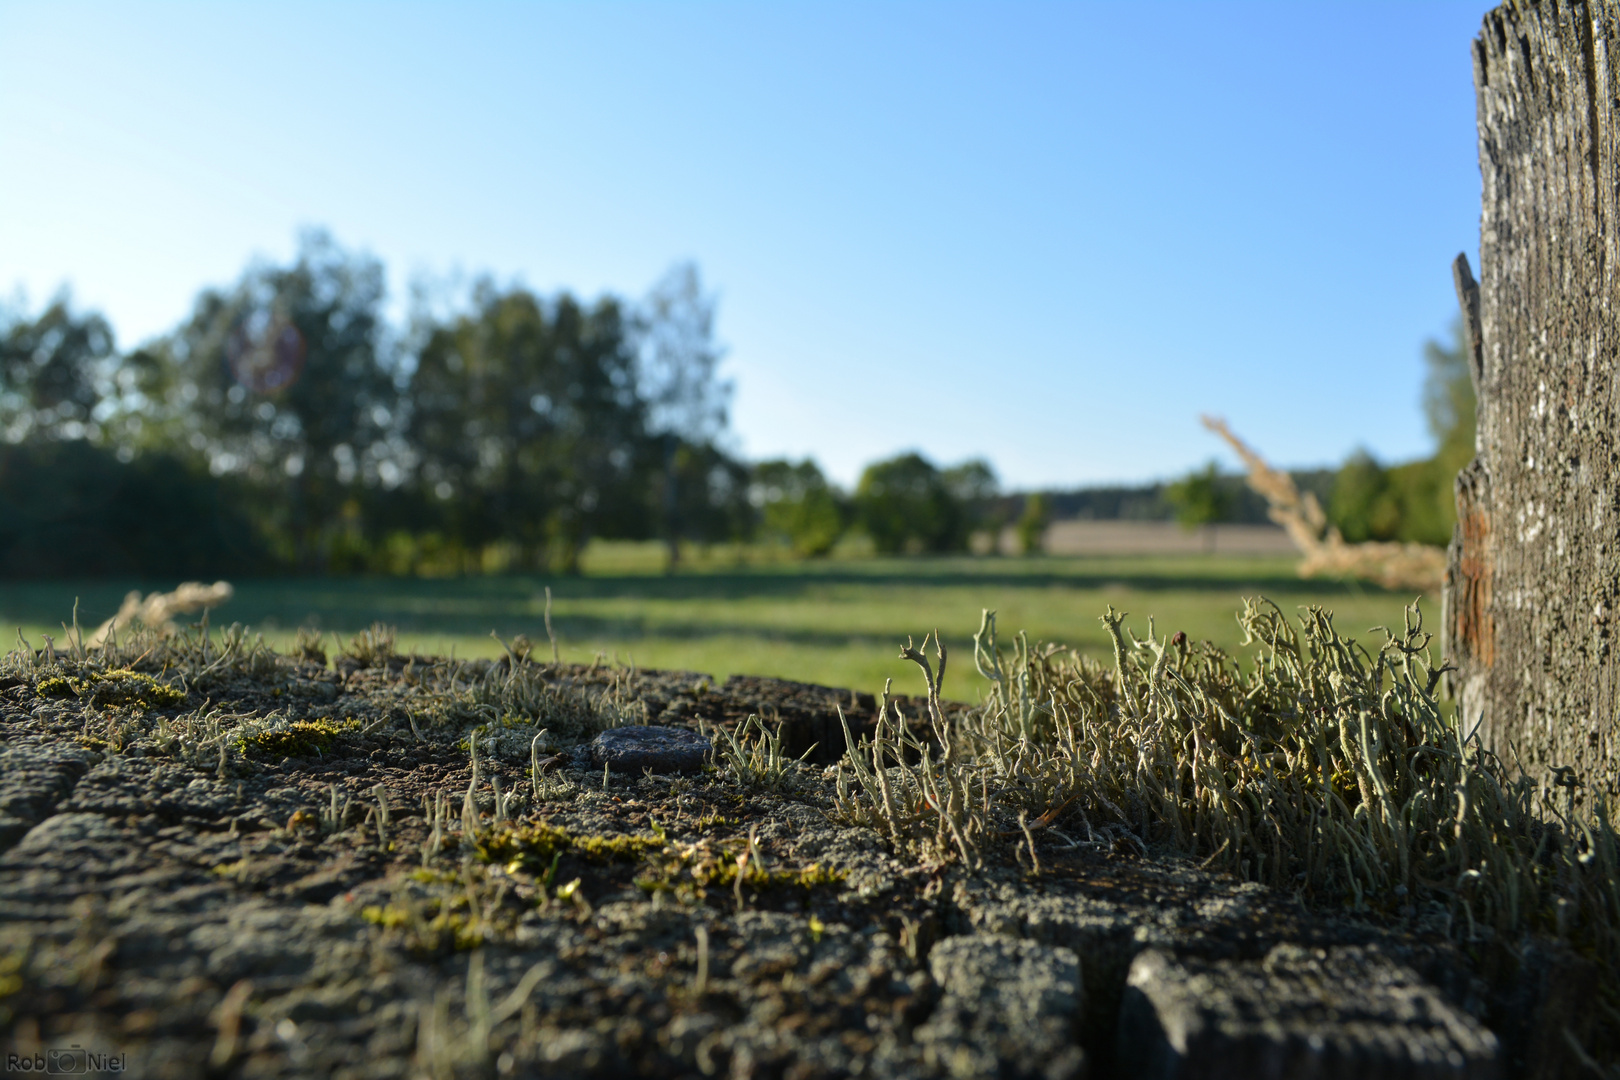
[797, 503]
[1033, 523]
[974, 486]
[528, 426]
[72, 509]
[687, 402]
[712, 490]
[905, 505]
[1200, 501]
[1413, 501]
[1449, 406]
[1448, 388]
[1364, 505]
[286, 380]
[679, 359]
[56, 371]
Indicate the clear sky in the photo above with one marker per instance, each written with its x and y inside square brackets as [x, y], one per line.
[1047, 234]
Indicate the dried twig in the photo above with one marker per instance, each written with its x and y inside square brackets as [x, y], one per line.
[1392, 565]
[157, 610]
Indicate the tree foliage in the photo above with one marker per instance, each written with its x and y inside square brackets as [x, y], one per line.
[1033, 522]
[1414, 501]
[285, 380]
[54, 372]
[798, 506]
[505, 432]
[285, 425]
[906, 505]
[1199, 498]
[525, 421]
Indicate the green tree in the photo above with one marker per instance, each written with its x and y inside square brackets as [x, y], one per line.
[528, 426]
[1413, 501]
[1033, 522]
[687, 403]
[1449, 406]
[1200, 501]
[286, 381]
[973, 485]
[711, 489]
[1448, 389]
[56, 373]
[1364, 506]
[798, 504]
[905, 506]
[72, 509]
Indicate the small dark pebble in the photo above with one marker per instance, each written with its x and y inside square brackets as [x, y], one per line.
[661, 749]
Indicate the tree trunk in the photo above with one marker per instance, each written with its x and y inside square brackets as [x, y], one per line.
[1531, 576]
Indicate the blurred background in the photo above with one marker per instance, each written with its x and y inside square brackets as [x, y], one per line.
[762, 335]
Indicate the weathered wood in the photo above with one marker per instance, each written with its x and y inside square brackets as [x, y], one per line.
[1531, 577]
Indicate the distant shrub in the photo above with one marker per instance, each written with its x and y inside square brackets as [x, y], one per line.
[905, 506]
[797, 504]
[1408, 502]
[70, 508]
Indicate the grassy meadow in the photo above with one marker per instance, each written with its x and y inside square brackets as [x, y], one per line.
[745, 611]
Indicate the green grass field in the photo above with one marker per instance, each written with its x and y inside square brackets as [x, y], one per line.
[838, 622]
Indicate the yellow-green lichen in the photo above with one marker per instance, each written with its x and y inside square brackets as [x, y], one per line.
[54, 686]
[532, 847]
[713, 821]
[699, 868]
[425, 934]
[301, 738]
[118, 687]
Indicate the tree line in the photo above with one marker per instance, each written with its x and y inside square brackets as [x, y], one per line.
[286, 426]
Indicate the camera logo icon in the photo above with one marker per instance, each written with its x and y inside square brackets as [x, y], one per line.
[73, 1061]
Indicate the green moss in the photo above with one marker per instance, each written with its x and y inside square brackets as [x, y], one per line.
[389, 918]
[531, 848]
[698, 870]
[55, 686]
[121, 686]
[713, 821]
[427, 935]
[13, 964]
[125, 687]
[301, 738]
[724, 873]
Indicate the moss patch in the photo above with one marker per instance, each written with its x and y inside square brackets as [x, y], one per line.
[55, 687]
[301, 738]
[120, 686]
[701, 867]
[532, 847]
[433, 931]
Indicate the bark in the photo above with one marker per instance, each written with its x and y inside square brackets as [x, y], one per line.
[1531, 574]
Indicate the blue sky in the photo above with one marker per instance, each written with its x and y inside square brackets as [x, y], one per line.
[1046, 234]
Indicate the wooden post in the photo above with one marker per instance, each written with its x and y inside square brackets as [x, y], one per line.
[1531, 579]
